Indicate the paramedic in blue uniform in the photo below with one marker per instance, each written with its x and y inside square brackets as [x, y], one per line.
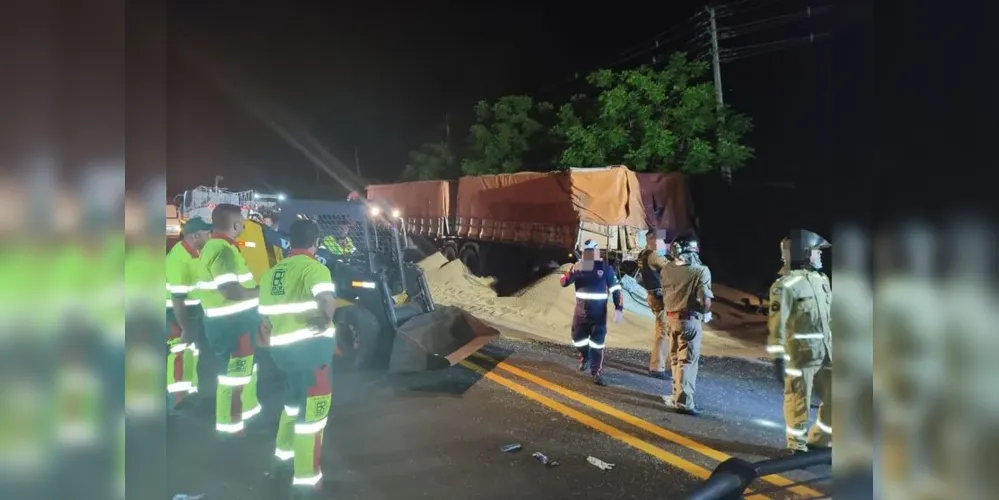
[595, 282]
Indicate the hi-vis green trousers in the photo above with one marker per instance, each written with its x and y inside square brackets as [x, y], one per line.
[232, 339]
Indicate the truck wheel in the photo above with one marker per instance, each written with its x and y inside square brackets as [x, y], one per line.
[450, 251]
[470, 257]
[357, 333]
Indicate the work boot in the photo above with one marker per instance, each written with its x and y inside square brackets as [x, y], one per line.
[693, 412]
[583, 363]
[661, 375]
[598, 379]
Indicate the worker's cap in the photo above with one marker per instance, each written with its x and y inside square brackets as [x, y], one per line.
[590, 245]
[194, 225]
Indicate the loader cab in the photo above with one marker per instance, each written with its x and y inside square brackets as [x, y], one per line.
[376, 290]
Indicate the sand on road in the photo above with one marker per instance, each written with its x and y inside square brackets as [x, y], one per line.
[543, 311]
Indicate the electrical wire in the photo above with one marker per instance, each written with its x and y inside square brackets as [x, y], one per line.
[733, 8]
[730, 55]
[651, 45]
[770, 22]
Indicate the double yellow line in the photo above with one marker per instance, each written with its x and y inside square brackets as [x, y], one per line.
[614, 432]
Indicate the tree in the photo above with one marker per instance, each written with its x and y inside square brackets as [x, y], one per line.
[432, 161]
[653, 120]
[505, 135]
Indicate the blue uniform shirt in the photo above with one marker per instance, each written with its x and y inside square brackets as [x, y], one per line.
[593, 288]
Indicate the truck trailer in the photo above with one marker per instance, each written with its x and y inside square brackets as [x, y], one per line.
[526, 221]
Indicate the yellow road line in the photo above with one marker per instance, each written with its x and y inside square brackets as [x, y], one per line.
[684, 441]
[665, 456]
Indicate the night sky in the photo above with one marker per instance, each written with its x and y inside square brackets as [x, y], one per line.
[382, 76]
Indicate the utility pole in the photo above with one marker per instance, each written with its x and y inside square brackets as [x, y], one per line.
[716, 64]
[357, 162]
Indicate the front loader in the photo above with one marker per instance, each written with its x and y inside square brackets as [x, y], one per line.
[386, 317]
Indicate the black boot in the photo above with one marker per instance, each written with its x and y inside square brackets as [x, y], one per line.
[584, 362]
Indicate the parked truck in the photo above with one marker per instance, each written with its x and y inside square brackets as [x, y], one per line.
[524, 221]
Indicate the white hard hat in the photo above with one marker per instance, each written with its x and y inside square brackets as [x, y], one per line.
[590, 245]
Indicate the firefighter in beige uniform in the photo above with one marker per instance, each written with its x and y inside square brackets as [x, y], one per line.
[800, 339]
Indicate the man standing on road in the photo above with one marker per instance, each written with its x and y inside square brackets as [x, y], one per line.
[184, 315]
[687, 298]
[800, 340]
[297, 306]
[229, 298]
[651, 264]
[594, 281]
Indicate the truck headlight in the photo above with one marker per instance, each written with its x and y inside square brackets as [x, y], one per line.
[396, 213]
[375, 211]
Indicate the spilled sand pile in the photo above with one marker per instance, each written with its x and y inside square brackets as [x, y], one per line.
[544, 311]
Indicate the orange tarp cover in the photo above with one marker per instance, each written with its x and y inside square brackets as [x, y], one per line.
[610, 196]
[417, 199]
[668, 195]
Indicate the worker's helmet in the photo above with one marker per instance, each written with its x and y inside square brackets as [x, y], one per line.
[684, 244]
[796, 248]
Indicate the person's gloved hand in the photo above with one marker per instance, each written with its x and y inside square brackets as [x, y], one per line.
[780, 364]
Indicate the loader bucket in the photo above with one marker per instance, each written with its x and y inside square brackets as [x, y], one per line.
[438, 339]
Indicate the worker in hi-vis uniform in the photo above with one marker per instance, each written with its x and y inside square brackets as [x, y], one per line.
[184, 315]
[296, 307]
[595, 282]
[800, 339]
[228, 297]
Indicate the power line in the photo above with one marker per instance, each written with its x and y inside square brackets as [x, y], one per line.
[651, 46]
[732, 8]
[770, 22]
[729, 55]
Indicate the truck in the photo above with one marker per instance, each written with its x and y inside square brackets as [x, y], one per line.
[528, 221]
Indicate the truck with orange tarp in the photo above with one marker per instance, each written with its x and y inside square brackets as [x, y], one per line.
[525, 220]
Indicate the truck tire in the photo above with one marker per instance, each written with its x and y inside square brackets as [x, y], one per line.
[470, 256]
[357, 333]
[450, 251]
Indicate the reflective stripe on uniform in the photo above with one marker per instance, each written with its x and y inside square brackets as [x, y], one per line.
[823, 427]
[580, 343]
[227, 310]
[323, 287]
[310, 428]
[808, 336]
[591, 296]
[614, 288]
[224, 279]
[293, 308]
[594, 345]
[180, 289]
[187, 302]
[791, 431]
[307, 481]
[300, 335]
[284, 455]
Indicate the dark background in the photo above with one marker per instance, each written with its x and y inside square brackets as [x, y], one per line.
[381, 77]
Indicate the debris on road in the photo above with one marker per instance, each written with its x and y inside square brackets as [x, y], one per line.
[596, 462]
[544, 460]
[511, 447]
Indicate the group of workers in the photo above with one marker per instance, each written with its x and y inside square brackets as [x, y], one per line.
[678, 291]
[288, 312]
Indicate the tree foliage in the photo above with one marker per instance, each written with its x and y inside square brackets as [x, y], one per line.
[434, 160]
[504, 134]
[653, 120]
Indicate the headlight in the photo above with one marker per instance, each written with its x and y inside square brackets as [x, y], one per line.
[281, 197]
[396, 213]
[375, 211]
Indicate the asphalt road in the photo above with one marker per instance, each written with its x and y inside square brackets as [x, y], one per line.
[438, 434]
